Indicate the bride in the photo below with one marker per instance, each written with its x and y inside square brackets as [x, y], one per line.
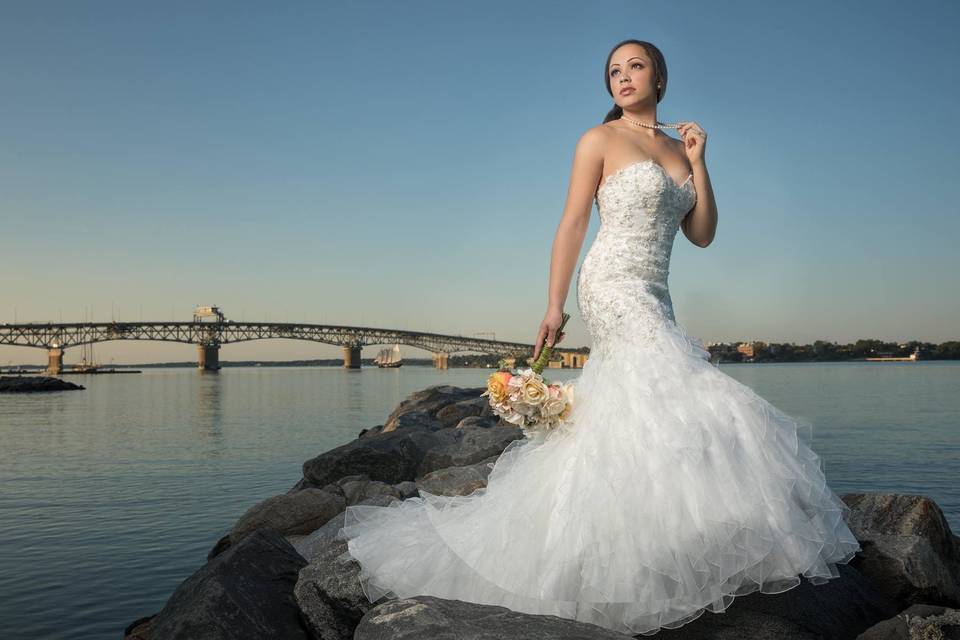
[673, 488]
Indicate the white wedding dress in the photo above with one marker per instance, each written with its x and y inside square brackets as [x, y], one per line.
[674, 488]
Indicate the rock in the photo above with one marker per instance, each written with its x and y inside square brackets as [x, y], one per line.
[430, 618]
[219, 547]
[357, 490]
[303, 484]
[737, 624]
[838, 609]
[371, 431]
[420, 419]
[244, 593]
[310, 545]
[139, 629]
[481, 421]
[390, 457]
[470, 445]
[909, 552]
[923, 618]
[835, 610]
[33, 384]
[407, 489]
[328, 590]
[427, 403]
[289, 513]
[457, 481]
[452, 414]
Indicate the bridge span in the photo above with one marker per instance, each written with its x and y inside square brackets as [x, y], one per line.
[56, 338]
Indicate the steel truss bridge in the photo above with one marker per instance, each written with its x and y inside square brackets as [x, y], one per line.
[56, 338]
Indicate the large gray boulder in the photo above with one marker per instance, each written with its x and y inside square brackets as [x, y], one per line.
[431, 404]
[245, 593]
[328, 589]
[451, 422]
[310, 545]
[355, 491]
[469, 445]
[429, 618]
[919, 621]
[457, 481]
[836, 610]
[908, 552]
[390, 457]
[289, 513]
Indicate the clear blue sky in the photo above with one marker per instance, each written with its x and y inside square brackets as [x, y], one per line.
[393, 164]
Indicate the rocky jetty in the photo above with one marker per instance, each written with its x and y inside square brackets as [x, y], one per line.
[277, 574]
[32, 384]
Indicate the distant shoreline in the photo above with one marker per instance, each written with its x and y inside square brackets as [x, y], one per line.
[338, 364]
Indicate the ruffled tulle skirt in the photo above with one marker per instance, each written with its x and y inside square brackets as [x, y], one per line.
[674, 489]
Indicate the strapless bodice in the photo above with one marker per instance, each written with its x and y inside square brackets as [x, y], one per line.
[626, 268]
[640, 209]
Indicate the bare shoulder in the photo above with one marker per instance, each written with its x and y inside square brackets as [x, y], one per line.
[595, 138]
[592, 144]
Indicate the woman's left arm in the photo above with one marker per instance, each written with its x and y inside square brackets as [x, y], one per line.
[700, 224]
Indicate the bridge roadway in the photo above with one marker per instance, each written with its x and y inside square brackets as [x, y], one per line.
[56, 338]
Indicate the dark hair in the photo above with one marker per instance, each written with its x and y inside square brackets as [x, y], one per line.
[659, 73]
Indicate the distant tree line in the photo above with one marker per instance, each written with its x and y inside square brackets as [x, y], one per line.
[819, 351]
[825, 351]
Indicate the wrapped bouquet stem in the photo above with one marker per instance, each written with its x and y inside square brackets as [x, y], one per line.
[524, 398]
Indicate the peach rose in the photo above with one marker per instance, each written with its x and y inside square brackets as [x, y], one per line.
[498, 386]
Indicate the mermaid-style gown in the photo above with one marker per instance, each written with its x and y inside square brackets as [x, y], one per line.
[674, 488]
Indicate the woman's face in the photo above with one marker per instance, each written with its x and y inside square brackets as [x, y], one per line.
[631, 75]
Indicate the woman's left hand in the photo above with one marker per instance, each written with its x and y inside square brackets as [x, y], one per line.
[694, 140]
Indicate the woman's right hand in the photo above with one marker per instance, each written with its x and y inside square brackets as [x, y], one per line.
[548, 328]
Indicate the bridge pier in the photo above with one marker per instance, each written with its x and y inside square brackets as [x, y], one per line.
[208, 357]
[440, 360]
[351, 357]
[54, 361]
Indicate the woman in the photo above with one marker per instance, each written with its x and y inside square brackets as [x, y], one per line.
[674, 488]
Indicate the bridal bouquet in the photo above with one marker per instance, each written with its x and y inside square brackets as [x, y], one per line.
[524, 398]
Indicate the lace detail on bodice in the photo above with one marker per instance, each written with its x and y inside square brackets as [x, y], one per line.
[622, 281]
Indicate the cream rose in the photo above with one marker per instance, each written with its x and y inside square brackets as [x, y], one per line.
[554, 406]
[534, 391]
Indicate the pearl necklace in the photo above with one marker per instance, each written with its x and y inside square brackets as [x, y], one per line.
[659, 125]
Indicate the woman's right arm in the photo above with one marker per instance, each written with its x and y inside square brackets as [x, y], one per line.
[584, 179]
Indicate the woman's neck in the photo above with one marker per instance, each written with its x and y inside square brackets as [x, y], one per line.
[647, 116]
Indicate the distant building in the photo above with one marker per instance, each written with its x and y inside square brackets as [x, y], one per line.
[574, 360]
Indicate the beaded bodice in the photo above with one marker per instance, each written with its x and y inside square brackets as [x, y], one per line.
[622, 281]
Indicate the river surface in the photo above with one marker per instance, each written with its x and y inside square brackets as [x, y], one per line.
[110, 497]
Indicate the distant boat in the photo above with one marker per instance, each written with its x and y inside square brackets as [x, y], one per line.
[86, 366]
[886, 357]
[389, 358]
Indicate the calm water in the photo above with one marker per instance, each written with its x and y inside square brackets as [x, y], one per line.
[110, 497]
